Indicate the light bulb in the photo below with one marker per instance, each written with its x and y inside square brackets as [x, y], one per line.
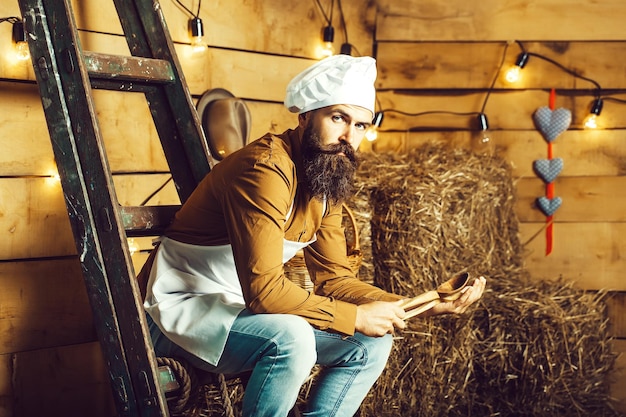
[53, 179]
[514, 73]
[133, 246]
[371, 134]
[327, 50]
[21, 51]
[482, 142]
[19, 39]
[591, 121]
[328, 37]
[196, 32]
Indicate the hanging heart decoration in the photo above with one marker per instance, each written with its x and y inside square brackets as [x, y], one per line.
[551, 123]
[549, 205]
[548, 169]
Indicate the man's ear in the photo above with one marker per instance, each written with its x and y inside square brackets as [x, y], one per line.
[303, 119]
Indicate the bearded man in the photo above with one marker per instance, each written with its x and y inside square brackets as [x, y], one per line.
[217, 294]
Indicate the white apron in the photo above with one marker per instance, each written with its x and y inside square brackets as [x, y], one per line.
[194, 294]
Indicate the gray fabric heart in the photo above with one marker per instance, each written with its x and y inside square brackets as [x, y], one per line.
[551, 123]
[549, 206]
[548, 169]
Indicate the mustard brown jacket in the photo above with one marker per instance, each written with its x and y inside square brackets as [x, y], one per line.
[254, 200]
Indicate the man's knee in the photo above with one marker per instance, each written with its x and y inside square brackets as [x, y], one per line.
[375, 351]
[297, 335]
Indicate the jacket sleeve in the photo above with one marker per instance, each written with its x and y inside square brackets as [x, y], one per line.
[330, 270]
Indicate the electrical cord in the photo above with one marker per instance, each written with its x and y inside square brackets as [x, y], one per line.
[189, 10]
[12, 19]
[560, 66]
[329, 20]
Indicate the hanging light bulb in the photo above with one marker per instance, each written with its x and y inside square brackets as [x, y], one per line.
[591, 121]
[346, 49]
[196, 31]
[328, 37]
[371, 134]
[482, 142]
[133, 246]
[513, 74]
[19, 39]
[53, 179]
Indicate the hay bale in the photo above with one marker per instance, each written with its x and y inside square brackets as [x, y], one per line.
[526, 349]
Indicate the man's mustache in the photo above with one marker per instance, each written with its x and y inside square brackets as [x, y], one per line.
[338, 148]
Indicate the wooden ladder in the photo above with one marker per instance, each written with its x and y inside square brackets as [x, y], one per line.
[66, 75]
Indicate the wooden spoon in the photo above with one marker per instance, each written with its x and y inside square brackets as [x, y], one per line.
[447, 291]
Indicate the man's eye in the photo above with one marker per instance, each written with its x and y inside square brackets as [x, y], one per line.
[337, 117]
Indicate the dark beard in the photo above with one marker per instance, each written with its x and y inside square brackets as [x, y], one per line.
[328, 174]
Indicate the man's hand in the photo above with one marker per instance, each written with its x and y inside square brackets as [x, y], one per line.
[379, 318]
[470, 295]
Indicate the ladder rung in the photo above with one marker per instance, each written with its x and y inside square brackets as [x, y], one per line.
[147, 220]
[131, 68]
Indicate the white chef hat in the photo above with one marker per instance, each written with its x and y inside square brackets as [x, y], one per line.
[338, 79]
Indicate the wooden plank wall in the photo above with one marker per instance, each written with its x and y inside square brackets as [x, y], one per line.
[432, 56]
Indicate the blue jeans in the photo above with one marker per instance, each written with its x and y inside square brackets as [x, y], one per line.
[281, 350]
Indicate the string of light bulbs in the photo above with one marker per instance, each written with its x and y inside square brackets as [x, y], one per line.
[514, 73]
[511, 76]
[481, 116]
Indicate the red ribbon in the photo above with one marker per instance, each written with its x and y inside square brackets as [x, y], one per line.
[550, 189]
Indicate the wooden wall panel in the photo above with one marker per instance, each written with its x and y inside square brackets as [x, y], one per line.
[475, 64]
[500, 20]
[69, 381]
[584, 152]
[24, 139]
[34, 219]
[34, 314]
[130, 138]
[246, 75]
[617, 313]
[618, 378]
[589, 254]
[6, 386]
[592, 199]
[270, 117]
[133, 190]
